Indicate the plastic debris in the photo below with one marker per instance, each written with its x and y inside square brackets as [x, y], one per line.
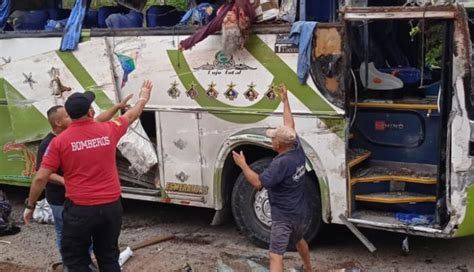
[43, 213]
[137, 148]
[414, 219]
[405, 246]
[125, 255]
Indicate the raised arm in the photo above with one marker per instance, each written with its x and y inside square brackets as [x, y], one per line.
[132, 114]
[287, 115]
[110, 113]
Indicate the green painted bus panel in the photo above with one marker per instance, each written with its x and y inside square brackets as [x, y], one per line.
[27, 122]
[2, 90]
[13, 161]
[6, 134]
[280, 70]
[335, 125]
[85, 79]
[15, 181]
[284, 74]
[467, 226]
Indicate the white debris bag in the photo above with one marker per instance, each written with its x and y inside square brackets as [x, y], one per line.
[137, 148]
[125, 255]
[287, 11]
[43, 213]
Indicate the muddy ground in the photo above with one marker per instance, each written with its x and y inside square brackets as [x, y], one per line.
[202, 247]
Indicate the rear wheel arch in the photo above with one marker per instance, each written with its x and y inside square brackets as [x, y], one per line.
[251, 208]
[254, 141]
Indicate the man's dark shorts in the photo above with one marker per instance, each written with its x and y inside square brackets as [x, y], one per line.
[284, 234]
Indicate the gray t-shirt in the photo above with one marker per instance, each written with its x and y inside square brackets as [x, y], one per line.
[284, 180]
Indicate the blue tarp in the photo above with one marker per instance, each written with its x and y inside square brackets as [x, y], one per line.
[72, 34]
[5, 6]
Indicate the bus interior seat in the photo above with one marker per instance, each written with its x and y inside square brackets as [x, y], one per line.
[127, 20]
[59, 14]
[91, 19]
[30, 20]
[164, 15]
[387, 50]
[105, 12]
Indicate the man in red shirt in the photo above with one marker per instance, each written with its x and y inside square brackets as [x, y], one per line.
[86, 153]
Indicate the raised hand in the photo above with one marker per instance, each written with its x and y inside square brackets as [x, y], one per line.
[283, 92]
[145, 91]
[239, 159]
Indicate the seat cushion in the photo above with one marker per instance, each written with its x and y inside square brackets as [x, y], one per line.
[104, 12]
[163, 16]
[31, 20]
[119, 20]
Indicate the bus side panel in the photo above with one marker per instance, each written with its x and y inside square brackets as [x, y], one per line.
[17, 160]
[461, 185]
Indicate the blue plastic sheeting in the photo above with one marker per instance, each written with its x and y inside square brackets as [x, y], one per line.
[5, 6]
[199, 15]
[72, 34]
[414, 219]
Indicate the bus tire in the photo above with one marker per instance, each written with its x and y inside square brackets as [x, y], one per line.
[256, 228]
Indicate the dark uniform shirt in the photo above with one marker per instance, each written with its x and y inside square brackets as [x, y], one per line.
[284, 180]
[55, 193]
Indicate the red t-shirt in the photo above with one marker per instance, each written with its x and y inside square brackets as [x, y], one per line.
[86, 153]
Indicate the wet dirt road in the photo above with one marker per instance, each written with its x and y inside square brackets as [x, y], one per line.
[201, 247]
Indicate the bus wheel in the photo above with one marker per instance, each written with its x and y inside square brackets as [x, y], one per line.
[252, 212]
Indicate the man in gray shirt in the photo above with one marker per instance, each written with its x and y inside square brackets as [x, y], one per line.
[284, 180]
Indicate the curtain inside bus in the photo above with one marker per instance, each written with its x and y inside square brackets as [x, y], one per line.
[4, 13]
[72, 34]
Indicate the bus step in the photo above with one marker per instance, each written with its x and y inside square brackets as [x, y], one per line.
[378, 171]
[357, 155]
[395, 198]
[141, 191]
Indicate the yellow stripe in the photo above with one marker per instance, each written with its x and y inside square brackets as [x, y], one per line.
[371, 105]
[394, 178]
[359, 159]
[395, 200]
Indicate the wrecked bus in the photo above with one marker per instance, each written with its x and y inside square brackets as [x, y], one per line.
[385, 117]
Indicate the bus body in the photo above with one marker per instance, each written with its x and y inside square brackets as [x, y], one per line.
[396, 158]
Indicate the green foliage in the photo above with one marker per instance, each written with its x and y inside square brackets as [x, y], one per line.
[434, 45]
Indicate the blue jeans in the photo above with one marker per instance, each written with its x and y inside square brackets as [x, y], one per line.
[118, 20]
[58, 223]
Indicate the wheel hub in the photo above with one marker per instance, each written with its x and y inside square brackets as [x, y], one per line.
[262, 207]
